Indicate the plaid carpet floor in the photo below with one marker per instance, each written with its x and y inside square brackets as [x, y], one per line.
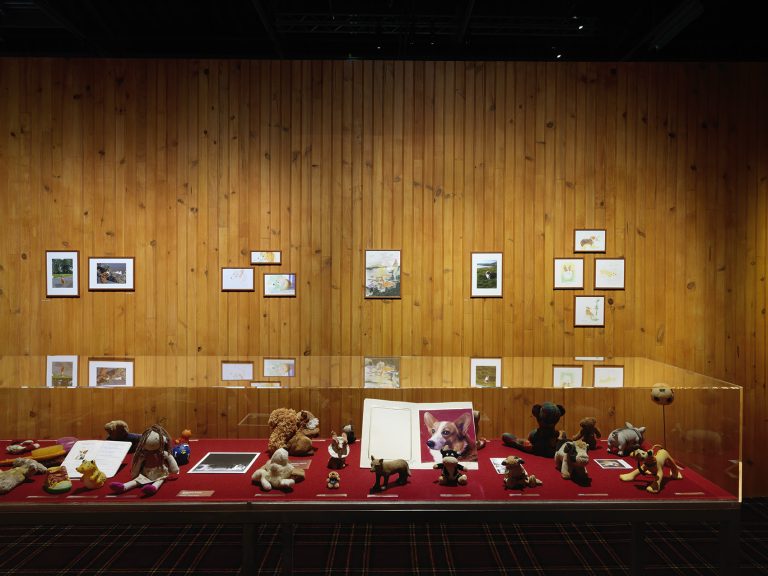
[367, 550]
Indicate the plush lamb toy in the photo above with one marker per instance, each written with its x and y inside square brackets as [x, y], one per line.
[623, 440]
[452, 472]
[589, 432]
[278, 473]
[542, 441]
[515, 476]
[152, 462]
[23, 469]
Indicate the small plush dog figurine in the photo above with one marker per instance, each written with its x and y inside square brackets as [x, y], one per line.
[92, 477]
[339, 450]
[652, 463]
[452, 472]
[515, 476]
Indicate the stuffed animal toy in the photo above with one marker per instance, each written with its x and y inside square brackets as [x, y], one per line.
[338, 448]
[572, 459]
[334, 480]
[623, 440]
[309, 424]
[589, 432]
[515, 476]
[652, 463]
[182, 451]
[542, 441]
[117, 430]
[21, 447]
[278, 473]
[152, 462]
[23, 469]
[49, 455]
[452, 472]
[286, 427]
[92, 477]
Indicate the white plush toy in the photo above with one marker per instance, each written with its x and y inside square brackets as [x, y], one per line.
[23, 469]
[278, 472]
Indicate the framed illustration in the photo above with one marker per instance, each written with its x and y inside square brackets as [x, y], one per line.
[236, 370]
[589, 311]
[486, 274]
[61, 372]
[110, 274]
[110, 373]
[589, 241]
[382, 273]
[280, 367]
[237, 280]
[279, 285]
[567, 376]
[609, 273]
[608, 377]
[225, 463]
[381, 372]
[485, 372]
[260, 258]
[569, 273]
[62, 274]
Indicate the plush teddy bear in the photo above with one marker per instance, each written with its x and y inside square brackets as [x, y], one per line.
[23, 469]
[117, 430]
[278, 472]
[286, 427]
[544, 440]
[589, 432]
[516, 476]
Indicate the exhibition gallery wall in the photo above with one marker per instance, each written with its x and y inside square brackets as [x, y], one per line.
[201, 242]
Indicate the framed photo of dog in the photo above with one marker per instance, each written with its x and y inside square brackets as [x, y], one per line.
[111, 274]
[485, 372]
[487, 274]
[62, 274]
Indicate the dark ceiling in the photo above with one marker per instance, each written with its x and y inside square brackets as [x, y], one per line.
[668, 30]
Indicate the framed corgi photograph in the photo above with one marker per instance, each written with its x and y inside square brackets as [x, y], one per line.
[589, 241]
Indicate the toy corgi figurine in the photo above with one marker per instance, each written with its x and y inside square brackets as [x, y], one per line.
[92, 477]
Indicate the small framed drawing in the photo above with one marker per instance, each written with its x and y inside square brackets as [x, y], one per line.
[110, 274]
[589, 241]
[237, 280]
[62, 274]
[280, 367]
[567, 376]
[382, 274]
[485, 372]
[110, 373]
[61, 372]
[608, 377]
[279, 285]
[381, 372]
[569, 273]
[236, 370]
[260, 258]
[609, 273]
[486, 274]
[589, 311]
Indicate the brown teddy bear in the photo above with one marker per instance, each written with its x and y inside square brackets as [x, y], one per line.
[117, 430]
[286, 427]
[589, 432]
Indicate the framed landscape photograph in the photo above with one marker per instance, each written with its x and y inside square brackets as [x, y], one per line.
[225, 463]
[589, 241]
[236, 370]
[381, 372]
[110, 274]
[382, 274]
[567, 376]
[62, 274]
[608, 377]
[280, 367]
[589, 311]
[260, 258]
[569, 273]
[110, 373]
[485, 372]
[237, 280]
[279, 285]
[609, 273]
[486, 274]
[61, 372]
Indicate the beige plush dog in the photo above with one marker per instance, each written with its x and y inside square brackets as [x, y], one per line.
[652, 463]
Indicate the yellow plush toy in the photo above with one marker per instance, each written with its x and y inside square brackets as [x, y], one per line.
[652, 463]
[92, 477]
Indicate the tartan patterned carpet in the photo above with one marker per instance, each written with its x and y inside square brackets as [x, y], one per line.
[367, 550]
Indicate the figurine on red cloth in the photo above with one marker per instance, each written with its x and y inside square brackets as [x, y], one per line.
[152, 462]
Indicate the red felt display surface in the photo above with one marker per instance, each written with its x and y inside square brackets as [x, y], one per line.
[485, 484]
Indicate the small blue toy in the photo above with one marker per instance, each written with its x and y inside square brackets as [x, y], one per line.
[181, 454]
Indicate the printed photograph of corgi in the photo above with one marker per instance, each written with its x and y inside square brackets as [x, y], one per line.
[450, 430]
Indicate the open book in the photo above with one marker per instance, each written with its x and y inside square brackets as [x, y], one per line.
[108, 455]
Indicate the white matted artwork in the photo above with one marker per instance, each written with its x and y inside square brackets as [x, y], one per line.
[381, 372]
[280, 285]
[264, 258]
[567, 376]
[61, 372]
[237, 280]
[608, 377]
[589, 241]
[236, 370]
[280, 367]
[569, 273]
[111, 274]
[110, 373]
[485, 372]
[62, 274]
[609, 273]
[589, 311]
[487, 274]
[382, 274]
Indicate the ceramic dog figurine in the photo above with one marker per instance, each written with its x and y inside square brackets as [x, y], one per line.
[385, 468]
[652, 463]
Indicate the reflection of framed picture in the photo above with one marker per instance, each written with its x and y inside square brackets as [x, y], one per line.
[608, 377]
[485, 372]
[61, 372]
[609, 273]
[266, 258]
[236, 370]
[237, 280]
[280, 367]
[62, 274]
[589, 311]
[225, 463]
[381, 372]
[486, 274]
[589, 241]
[567, 376]
[569, 273]
[110, 274]
[382, 273]
[279, 285]
[110, 373]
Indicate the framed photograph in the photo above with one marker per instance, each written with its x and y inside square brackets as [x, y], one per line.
[237, 280]
[381, 372]
[236, 370]
[567, 376]
[486, 274]
[382, 274]
[61, 372]
[225, 463]
[62, 274]
[609, 273]
[111, 274]
[589, 241]
[612, 464]
[260, 258]
[485, 372]
[110, 373]
[569, 273]
[608, 377]
[589, 311]
[279, 285]
[280, 367]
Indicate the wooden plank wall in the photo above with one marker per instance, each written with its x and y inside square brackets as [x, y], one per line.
[189, 165]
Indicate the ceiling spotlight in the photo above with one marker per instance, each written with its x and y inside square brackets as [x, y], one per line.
[559, 56]
[581, 26]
